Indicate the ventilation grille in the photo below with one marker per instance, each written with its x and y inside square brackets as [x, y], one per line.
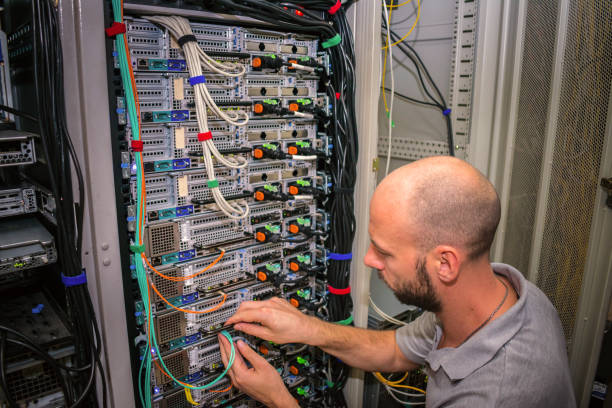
[166, 287]
[169, 327]
[539, 40]
[577, 155]
[178, 366]
[162, 239]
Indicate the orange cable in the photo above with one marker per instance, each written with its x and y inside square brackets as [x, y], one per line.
[227, 389]
[212, 309]
[184, 278]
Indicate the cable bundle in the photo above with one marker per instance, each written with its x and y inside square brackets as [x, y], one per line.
[78, 388]
[196, 59]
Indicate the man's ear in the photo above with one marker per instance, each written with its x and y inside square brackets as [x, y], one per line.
[448, 262]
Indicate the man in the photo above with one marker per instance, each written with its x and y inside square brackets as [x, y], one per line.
[489, 338]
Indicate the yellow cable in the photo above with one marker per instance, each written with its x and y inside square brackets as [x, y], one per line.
[392, 6]
[411, 28]
[395, 384]
[388, 41]
[190, 398]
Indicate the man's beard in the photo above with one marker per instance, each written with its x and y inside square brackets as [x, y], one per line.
[419, 292]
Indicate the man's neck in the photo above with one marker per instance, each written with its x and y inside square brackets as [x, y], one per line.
[470, 302]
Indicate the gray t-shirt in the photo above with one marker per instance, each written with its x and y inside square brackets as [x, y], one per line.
[517, 360]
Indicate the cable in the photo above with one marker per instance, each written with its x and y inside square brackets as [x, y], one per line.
[3, 383]
[392, 6]
[390, 110]
[384, 315]
[18, 112]
[411, 28]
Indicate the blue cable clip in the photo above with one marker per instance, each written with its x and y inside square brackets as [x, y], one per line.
[70, 281]
[446, 112]
[38, 308]
[340, 257]
[197, 80]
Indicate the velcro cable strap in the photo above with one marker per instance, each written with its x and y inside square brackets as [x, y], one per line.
[200, 79]
[137, 145]
[335, 291]
[70, 281]
[212, 183]
[340, 257]
[333, 9]
[185, 39]
[137, 249]
[446, 112]
[115, 29]
[346, 321]
[335, 40]
[204, 136]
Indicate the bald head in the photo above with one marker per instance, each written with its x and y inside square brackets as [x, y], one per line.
[441, 201]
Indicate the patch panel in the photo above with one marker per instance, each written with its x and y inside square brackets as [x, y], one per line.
[148, 42]
[173, 90]
[18, 200]
[165, 143]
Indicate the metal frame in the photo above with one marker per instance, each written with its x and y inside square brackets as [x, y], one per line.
[85, 70]
[366, 28]
[596, 286]
[502, 159]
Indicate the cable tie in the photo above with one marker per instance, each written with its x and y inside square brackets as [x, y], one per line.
[340, 257]
[333, 9]
[344, 190]
[446, 112]
[137, 249]
[335, 291]
[346, 321]
[137, 145]
[115, 29]
[204, 136]
[70, 281]
[38, 308]
[335, 40]
[337, 95]
[200, 79]
[212, 183]
[185, 39]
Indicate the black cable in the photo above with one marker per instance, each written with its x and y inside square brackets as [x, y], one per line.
[17, 112]
[3, 383]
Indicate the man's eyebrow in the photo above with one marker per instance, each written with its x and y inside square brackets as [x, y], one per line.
[378, 248]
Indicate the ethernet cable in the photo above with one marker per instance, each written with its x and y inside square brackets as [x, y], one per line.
[196, 58]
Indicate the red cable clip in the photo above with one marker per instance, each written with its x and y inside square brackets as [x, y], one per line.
[115, 29]
[204, 136]
[335, 291]
[337, 95]
[333, 9]
[137, 145]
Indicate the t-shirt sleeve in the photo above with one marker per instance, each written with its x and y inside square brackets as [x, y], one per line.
[416, 339]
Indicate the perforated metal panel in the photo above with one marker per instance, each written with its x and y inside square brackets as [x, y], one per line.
[162, 239]
[166, 287]
[539, 37]
[169, 327]
[579, 142]
[177, 364]
[572, 114]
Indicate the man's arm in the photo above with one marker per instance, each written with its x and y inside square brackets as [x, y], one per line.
[278, 321]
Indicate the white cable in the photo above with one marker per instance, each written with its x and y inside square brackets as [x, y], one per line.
[408, 394]
[196, 58]
[384, 315]
[390, 113]
[390, 391]
[298, 157]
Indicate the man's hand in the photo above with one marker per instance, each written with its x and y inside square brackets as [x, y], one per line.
[261, 382]
[277, 320]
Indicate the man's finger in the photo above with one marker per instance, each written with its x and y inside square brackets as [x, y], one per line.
[239, 365]
[254, 330]
[224, 352]
[248, 316]
[257, 361]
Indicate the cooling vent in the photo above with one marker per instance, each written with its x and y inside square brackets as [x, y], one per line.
[177, 364]
[162, 239]
[169, 327]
